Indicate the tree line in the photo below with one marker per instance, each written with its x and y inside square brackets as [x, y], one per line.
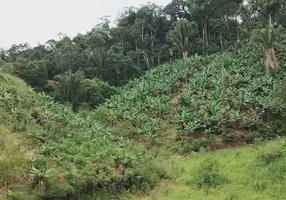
[82, 71]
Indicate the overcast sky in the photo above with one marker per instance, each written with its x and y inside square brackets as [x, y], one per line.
[35, 21]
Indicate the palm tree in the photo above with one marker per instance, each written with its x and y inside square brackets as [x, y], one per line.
[101, 59]
[267, 39]
[67, 87]
[181, 37]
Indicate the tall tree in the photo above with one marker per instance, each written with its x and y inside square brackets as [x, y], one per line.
[182, 37]
[268, 8]
[177, 9]
[101, 59]
[67, 87]
[267, 38]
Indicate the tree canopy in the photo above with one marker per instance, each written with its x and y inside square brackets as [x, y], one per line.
[142, 39]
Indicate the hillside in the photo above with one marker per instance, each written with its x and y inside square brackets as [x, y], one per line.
[158, 131]
[48, 152]
[225, 101]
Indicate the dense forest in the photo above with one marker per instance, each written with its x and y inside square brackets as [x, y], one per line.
[185, 101]
[142, 39]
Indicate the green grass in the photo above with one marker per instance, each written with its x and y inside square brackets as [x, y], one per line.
[13, 163]
[248, 175]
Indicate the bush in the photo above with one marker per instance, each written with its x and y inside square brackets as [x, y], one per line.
[251, 137]
[228, 137]
[95, 92]
[103, 115]
[280, 92]
[125, 129]
[195, 145]
[269, 157]
[207, 176]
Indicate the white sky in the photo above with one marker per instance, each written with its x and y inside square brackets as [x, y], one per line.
[35, 21]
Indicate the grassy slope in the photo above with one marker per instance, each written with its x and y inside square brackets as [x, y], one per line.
[253, 173]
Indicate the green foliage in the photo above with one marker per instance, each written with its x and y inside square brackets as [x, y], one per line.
[143, 101]
[182, 36]
[95, 92]
[225, 101]
[207, 176]
[68, 87]
[252, 137]
[211, 107]
[279, 92]
[69, 153]
[39, 177]
[269, 157]
[195, 145]
[142, 39]
[267, 38]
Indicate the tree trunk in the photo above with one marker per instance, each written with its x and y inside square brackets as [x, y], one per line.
[185, 57]
[206, 34]
[159, 57]
[270, 20]
[270, 60]
[221, 42]
[152, 48]
[225, 19]
[146, 58]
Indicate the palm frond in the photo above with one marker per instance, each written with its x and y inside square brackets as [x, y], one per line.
[67, 87]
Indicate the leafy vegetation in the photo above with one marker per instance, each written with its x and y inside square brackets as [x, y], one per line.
[225, 103]
[45, 154]
[182, 35]
[104, 121]
[143, 39]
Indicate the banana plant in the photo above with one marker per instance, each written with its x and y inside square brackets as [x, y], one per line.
[39, 177]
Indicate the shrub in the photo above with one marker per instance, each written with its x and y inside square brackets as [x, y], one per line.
[103, 115]
[228, 137]
[195, 145]
[207, 176]
[251, 137]
[124, 128]
[95, 92]
[57, 186]
[280, 92]
[269, 157]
